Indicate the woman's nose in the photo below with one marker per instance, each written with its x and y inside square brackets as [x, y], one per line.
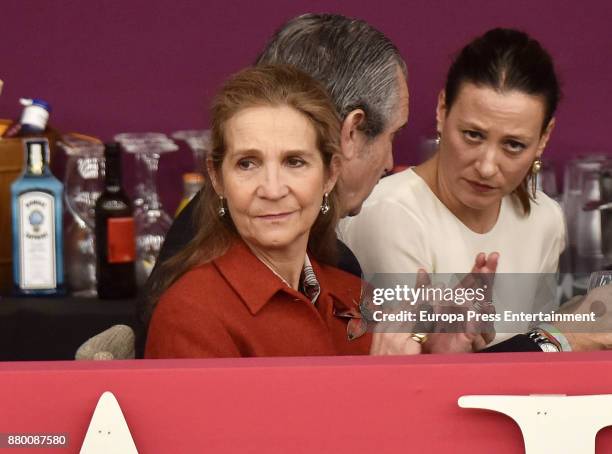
[487, 166]
[272, 184]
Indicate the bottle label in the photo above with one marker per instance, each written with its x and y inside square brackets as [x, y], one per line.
[121, 243]
[37, 240]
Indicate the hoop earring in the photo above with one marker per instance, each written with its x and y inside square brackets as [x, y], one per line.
[535, 169]
[221, 210]
[325, 205]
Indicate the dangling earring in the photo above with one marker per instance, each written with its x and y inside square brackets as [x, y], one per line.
[437, 139]
[221, 210]
[535, 169]
[325, 204]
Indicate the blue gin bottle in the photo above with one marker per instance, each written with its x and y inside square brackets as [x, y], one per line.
[36, 197]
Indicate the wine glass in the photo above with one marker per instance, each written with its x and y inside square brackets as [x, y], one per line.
[200, 144]
[140, 187]
[152, 221]
[588, 229]
[82, 187]
[574, 200]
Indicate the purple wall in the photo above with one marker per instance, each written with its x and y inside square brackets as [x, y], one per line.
[153, 65]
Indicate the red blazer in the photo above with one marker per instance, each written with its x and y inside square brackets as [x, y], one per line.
[235, 306]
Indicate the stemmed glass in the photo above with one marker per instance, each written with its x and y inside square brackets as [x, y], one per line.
[152, 221]
[588, 226]
[199, 142]
[82, 187]
[140, 187]
[574, 199]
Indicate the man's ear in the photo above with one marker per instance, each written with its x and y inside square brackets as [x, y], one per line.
[352, 138]
[441, 111]
[214, 178]
[545, 137]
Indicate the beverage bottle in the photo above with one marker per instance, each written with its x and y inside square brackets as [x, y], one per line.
[192, 183]
[38, 265]
[34, 119]
[115, 240]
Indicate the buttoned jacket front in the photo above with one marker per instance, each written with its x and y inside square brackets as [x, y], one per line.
[235, 306]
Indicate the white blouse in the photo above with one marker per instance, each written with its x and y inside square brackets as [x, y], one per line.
[403, 226]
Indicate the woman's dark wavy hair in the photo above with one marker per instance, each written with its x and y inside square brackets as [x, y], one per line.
[264, 85]
[505, 60]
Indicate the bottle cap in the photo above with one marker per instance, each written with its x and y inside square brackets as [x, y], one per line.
[25, 102]
[35, 113]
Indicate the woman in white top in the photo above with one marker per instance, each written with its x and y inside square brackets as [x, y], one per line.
[494, 118]
[476, 194]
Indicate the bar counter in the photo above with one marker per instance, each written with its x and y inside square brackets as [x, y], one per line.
[36, 328]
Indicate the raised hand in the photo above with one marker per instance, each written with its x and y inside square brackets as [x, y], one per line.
[474, 335]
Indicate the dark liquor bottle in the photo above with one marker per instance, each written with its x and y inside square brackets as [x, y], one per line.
[38, 266]
[115, 240]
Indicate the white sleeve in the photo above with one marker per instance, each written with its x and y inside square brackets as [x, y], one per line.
[387, 238]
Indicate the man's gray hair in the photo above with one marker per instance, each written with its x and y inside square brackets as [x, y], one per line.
[355, 62]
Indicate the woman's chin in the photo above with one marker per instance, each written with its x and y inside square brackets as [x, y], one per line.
[275, 243]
